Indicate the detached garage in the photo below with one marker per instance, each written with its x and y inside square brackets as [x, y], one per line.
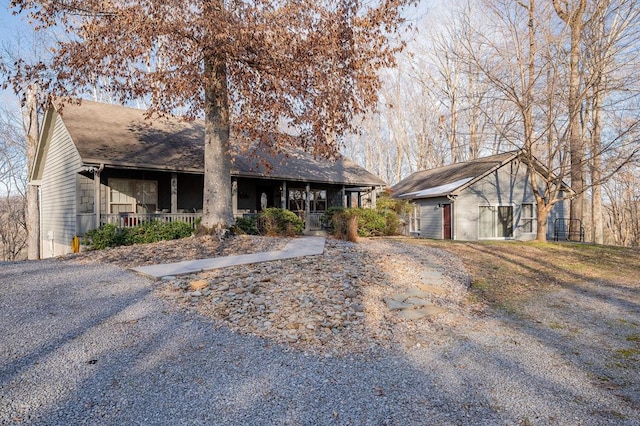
[486, 198]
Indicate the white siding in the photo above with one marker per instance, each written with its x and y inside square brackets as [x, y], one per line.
[58, 193]
[431, 217]
[507, 186]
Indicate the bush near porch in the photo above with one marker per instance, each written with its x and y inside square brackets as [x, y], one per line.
[110, 235]
[384, 220]
[371, 223]
[271, 222]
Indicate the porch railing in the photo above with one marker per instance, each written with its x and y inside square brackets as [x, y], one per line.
[129, 220]
[313, 221]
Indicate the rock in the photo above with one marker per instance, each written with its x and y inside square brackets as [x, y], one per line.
[352, 294]
[413, 292]
[198, 285]
[432, 289]
[416, 314]
[418, 302]
[357, 307]
[318, 303]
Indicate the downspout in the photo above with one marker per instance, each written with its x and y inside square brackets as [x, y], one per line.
[454, 229]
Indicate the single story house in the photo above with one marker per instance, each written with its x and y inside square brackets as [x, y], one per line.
[100, 163]
[486, 198]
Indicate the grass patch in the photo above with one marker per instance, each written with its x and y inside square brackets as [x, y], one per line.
[506, 274]
[630, 354]
[634, 338]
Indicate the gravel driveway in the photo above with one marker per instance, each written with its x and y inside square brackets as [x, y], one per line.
[93, 344]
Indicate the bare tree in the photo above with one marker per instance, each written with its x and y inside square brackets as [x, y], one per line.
[13, 231]
[32, 133]
[507, 50]
[622, 207]
[573, 14]
[609, 63]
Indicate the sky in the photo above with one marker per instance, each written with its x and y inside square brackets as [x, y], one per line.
[10, 27]
[9, 24]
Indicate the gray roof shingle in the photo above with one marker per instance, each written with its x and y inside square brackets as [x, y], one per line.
[118, 136]
[445, 180]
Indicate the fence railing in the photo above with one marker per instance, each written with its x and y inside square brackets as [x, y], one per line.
[568, 229]
[129, 220]
[313, 221]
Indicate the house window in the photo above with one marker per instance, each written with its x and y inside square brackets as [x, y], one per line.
[133, 196]
[527, 218]
[296, 200]
[317, 200]
[495, 222]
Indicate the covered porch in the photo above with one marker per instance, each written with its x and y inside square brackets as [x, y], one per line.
[127, 198]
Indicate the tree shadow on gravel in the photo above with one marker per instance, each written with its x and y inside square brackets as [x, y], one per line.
[115, 353]
[590, 319]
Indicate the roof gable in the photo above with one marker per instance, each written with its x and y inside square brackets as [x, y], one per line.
[53, 131]
[118, 136]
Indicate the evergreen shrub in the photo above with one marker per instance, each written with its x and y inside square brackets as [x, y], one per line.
[274, 221]
[110, 235]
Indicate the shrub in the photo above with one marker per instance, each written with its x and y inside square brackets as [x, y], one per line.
[246, 225]
[327, 217]
[352, 229]
[385, 203]
[106, 236]
[393, 223]
[273, 221]
[370, 223]
[110, 235]
[153, 231]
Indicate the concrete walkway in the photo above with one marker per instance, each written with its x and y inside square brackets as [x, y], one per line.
[298, 247]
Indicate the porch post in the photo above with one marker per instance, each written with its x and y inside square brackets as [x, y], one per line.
[96, 194]
[283, 195]
[234, 196]
[359, 199]
[344, 197]
[373, 197]
[307, 206]
[174, 193]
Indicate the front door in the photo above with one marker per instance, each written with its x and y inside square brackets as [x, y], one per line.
[446, 222]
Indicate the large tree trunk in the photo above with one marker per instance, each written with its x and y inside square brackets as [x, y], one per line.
[33, 209]
[217, 209]
[543, 211]
[574, 20]
[596, 171]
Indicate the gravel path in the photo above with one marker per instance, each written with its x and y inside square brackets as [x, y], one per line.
[94, 344]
